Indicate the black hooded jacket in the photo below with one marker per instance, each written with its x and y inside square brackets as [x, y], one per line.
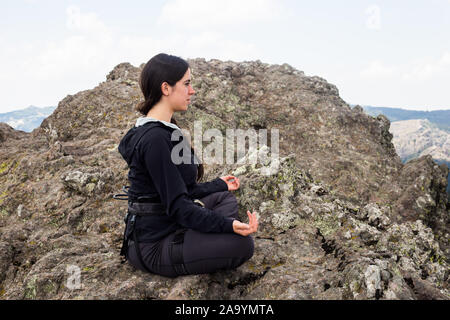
[153, 174]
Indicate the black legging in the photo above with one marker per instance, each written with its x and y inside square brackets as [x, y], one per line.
[202, 252]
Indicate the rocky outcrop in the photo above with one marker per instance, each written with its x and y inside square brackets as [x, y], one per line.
[8, 132]
[340, 216]
[420, 193]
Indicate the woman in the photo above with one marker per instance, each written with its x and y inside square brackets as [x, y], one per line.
[176, 225]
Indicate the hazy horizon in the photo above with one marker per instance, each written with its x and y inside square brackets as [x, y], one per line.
[351, 104]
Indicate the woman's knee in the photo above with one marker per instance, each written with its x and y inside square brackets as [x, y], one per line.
[225, 196]
[244, 247]
[230, 196]
[230, 199]
[249, 247]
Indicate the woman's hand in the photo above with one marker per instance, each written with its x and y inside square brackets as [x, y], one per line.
[245, 229]
[232, 182]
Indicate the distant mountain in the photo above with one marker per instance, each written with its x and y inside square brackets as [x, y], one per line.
[26, 119]
[439, 117]
[418, 137]
[418, 133]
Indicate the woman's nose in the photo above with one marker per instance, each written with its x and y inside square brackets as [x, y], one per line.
[191, 90]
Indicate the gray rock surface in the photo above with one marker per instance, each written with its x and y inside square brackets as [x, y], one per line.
[340, 216]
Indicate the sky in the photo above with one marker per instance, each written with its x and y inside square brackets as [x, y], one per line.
[392, 53]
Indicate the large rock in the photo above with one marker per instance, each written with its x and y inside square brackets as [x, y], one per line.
[340, 216]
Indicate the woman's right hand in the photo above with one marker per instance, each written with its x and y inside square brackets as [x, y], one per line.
[244, 229]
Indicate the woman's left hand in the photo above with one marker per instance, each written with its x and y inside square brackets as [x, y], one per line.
[232, 182]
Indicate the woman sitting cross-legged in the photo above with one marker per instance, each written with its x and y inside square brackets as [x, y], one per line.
[176, 225]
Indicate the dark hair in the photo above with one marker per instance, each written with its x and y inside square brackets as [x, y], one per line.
[159, 69]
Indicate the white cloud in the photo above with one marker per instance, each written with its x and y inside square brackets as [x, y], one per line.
[413, 83]
[138, 49]
[427, 68]
[84, 50]
[214, 45]
[213, 22]
[87, 22]
[212, 13]
[416, 70]
[50, 70]
[377, 69]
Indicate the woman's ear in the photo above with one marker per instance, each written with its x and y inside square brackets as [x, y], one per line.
[165, 89]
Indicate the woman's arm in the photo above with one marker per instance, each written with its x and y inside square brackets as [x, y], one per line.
[200, 190]
[156, 152]
[225, 183]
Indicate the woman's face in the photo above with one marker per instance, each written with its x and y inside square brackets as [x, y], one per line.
[182, 92]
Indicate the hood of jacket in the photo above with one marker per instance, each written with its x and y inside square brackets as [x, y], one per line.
[127, 145]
